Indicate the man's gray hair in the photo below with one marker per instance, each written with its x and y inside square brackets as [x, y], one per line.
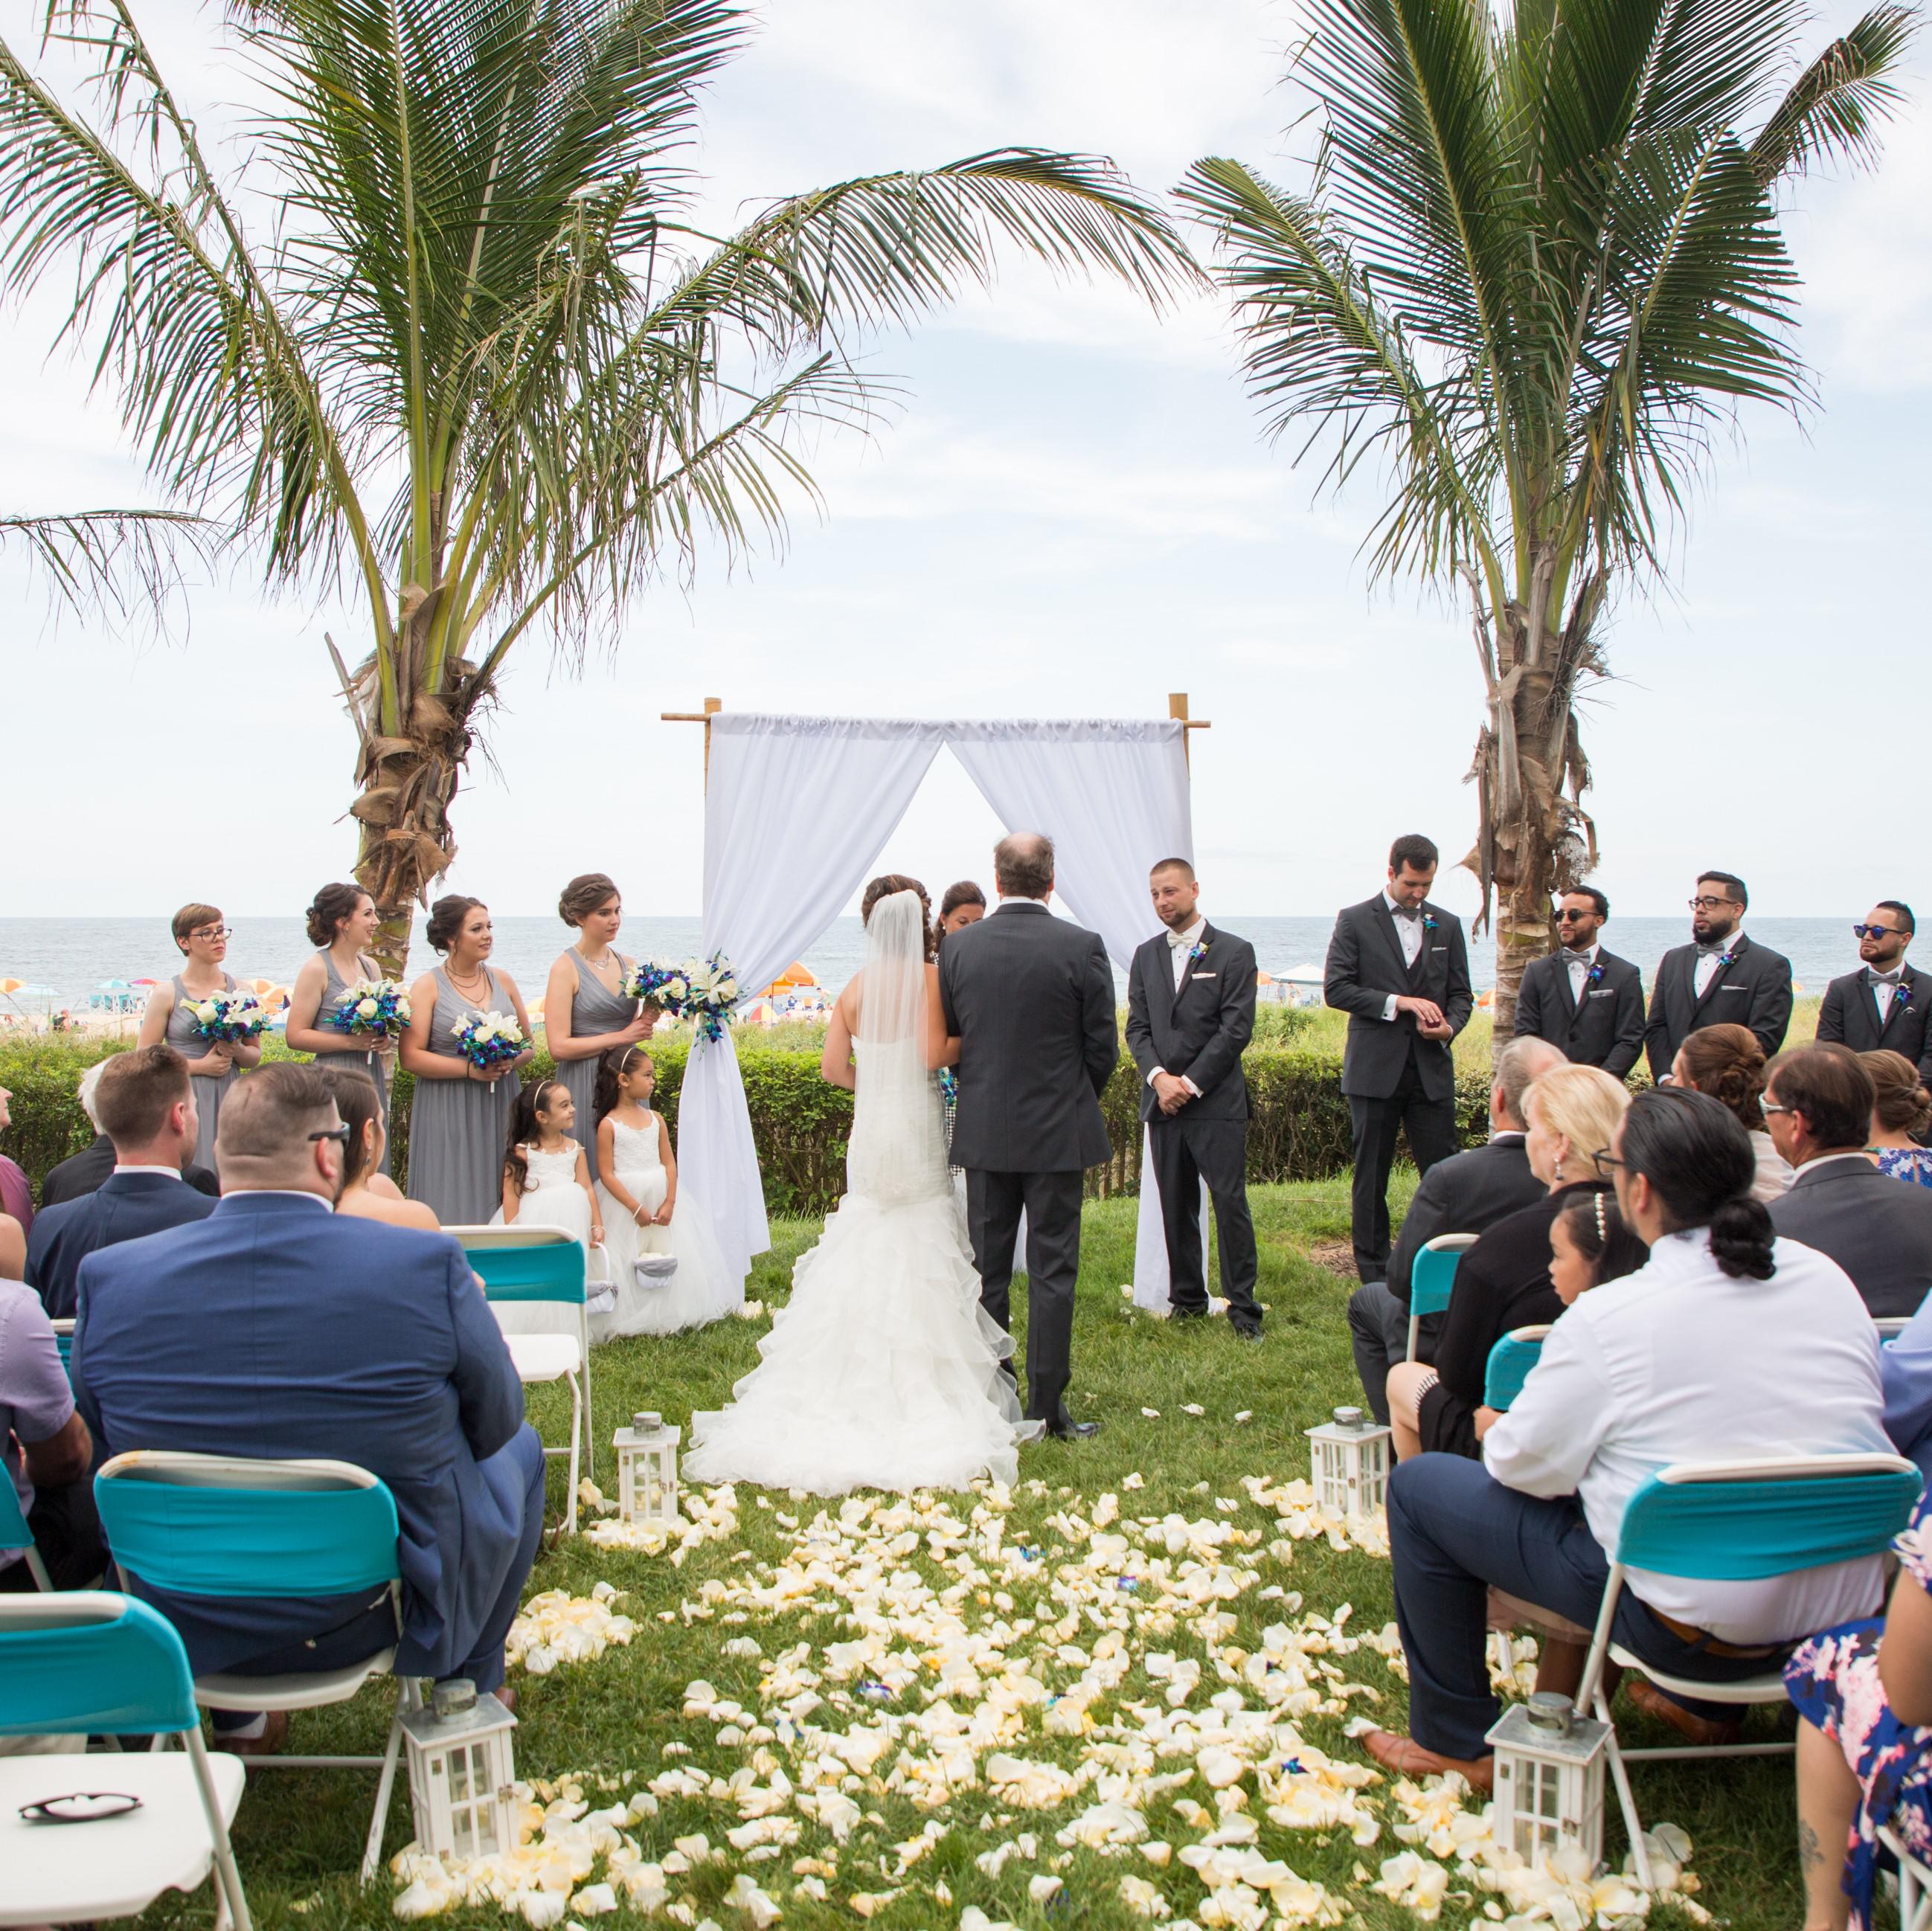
[89, 1081]
[269, 1117]
[1023, 865]
[1518, 1065]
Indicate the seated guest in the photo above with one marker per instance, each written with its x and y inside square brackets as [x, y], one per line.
[1731, 1342]
[368, 1192]
[1863, 1691]
[46, 1449]
[1727, 1063]
[13, 1249]
[1819, 1100]
[17, 1197]
[1503, 1281]
[275, 1327]
[81, 1173]
[1462, 1195]
[146, 1104]
[1901, 1112]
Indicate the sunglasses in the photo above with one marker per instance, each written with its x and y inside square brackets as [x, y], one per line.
[1877, 932]
[341, 1135]
[1564, 918]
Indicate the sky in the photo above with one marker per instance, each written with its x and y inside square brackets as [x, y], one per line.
[1073, 513]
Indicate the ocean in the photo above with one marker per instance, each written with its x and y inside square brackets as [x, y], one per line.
[73, 956]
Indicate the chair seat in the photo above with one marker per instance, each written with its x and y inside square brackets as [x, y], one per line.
[308, 1692]
[1767, 1689]
[544, 1357]
[68, 1873]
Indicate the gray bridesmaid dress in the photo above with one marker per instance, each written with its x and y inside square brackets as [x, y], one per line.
[594, 1009]
[208, 1091]
[334, 986]
[458, 1128]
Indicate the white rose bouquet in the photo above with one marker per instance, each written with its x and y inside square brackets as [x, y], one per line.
[227, 1018]
[376, 1009]
[489, 1039]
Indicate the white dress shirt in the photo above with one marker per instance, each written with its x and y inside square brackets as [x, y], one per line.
[1680, 1363]
[1578, 965]
[142, 1167]
[1179, 945]
[1882, 995]
[1705, 969]
[1410, 932]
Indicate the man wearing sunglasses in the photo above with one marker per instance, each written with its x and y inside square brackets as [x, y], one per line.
[1720, 978]
[1885, 1004]
[1583, 999]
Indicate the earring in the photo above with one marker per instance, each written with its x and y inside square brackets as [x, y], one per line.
[1559, 1167]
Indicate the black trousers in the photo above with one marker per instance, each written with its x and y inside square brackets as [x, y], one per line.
[1431, 1125]
[1052, 1203]
[1186, 1152]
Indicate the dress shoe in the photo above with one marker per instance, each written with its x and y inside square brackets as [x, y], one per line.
[1065, 1429]
[1407, 1758]
[1247, 1334]
[274, 1735]
[1186, 1314]
[1711, 1732]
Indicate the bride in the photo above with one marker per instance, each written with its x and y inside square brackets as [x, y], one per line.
[883, 1371]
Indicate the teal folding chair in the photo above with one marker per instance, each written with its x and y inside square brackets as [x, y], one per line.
[14, 1532]
[91, 1662]
[1509, 1365]
[1734, 1522]
[519, 1265]
[64, 1341]
[231, 1526]
[1433, 1279]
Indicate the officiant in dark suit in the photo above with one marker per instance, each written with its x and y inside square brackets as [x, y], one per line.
[1885, 1003]
[1583, 998]
[1720, 978]
[1398, 967]
[1190, 1016]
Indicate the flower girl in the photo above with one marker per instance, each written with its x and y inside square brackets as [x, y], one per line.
[547, 1184]
[637, 1186]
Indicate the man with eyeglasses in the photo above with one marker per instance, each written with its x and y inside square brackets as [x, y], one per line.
[1583, 999]
[1884, 1005]
[1720, 978]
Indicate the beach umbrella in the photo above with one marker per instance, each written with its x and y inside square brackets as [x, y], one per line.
[113, 985]
[794, 976]
[11, 984]
[145, 981]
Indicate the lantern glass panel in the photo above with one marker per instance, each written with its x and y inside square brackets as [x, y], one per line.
[459, 1776]
[463, 1840]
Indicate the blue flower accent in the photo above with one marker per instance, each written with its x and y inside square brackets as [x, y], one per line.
[1428, 923]
[1595, 972]
[1197, 951]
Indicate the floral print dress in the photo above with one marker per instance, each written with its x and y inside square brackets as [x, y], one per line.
[1833, 1680]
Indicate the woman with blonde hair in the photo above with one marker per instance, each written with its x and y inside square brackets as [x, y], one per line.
[1900, 1118]
[1727, 1063]
[1503, 1281]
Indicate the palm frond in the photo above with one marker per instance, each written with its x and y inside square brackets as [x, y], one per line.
[1833, 110]
[126, 563]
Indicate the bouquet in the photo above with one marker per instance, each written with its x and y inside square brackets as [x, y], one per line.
[663, 986]
[379, 1008]
[227, 1018]
[711, 995]
[487, 1039]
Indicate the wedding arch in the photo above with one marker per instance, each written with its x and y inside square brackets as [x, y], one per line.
[797, 812]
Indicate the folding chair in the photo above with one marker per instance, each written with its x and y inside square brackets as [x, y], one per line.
[1509, 1365]
[14, 1532]
[1890, 1326]
[229, 1526]
[542, 1263]
[1914, 1883]
[1433, 1279]
[91, 1662]
[1734, 1522]
[64, 1341]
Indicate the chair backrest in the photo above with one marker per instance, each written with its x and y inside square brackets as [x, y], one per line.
[226, 1525]
[1890, 1326]
[525, 1264]
[1510, 1362]
[1433, 1278]
[14, 1532]
[1744, 1521]
[89, 1662]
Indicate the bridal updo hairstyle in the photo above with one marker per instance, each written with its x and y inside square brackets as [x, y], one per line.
[1902, 1105]
[884, 888]
[583, 894]
[329, 908]
[1699, 1164]
[1726, 1064]
[445, 920]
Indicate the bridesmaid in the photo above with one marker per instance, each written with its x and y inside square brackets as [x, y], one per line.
[460, 1115]
[585, 1012]
[202, 940]
[342, 921]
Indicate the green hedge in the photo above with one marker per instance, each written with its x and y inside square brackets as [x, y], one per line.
[1299, 1130]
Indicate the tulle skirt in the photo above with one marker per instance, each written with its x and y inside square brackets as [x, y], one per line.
[565, 1206]
[697, 1293]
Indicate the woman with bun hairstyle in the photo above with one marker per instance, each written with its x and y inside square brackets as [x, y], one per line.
[1727, 1063]
[342, 922]
[1899, 1118]
[586, 1014]
[461, 1115]
[201, 937]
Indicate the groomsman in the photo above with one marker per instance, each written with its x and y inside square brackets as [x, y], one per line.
[1884, 1003]
[1582, 998]
[1398, 967]
[1190, 1014]
[1720, 978]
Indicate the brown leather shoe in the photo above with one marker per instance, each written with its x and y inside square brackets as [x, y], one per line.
[1407, 1758]
[1712, 1732]
[274, 1735]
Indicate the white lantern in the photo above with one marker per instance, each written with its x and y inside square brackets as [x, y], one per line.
[461, 1773]
[647, 1470]
[1549, 1778]
[1351, 1463]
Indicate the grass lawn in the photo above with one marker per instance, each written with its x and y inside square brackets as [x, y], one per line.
[621, 1714]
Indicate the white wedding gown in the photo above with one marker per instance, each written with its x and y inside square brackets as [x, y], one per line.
[884, 1371]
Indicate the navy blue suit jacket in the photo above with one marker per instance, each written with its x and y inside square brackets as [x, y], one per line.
[124, 1206]
[275, 1328]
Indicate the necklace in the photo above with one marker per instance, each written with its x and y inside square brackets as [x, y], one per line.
[481, 981]
[598, 966]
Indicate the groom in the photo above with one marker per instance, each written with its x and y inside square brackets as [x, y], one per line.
[1030, 998]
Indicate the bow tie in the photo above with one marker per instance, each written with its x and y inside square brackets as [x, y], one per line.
[1576, 958]
[1885, 978]
[1715, 950]
[1179, 941]
[1411, 912]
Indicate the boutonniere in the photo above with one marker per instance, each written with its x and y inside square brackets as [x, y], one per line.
[1595, 972]
[1901, 996]
[1428, 923]
[1726, 959]
[1197, 951]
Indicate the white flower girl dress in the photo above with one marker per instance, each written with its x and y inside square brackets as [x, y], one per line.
[551, 1197]
[697, 1292]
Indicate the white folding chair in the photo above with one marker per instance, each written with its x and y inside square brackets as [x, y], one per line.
[1914, 1883]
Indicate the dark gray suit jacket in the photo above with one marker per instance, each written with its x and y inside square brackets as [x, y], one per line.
[1754, 989]
[1878, 1229]
[1030, 998]
[1365, 965]
[1604, 1028]
[1849, 1015]
[1202, 1029]
[81, 1173]
[1468, 1193]
[124, 1206]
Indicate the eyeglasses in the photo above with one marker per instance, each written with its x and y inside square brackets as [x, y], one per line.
[1604, 1157]
[1767, 1106]
[213, 932]
[1709, 904]
[339, 1134]
[1877, 932]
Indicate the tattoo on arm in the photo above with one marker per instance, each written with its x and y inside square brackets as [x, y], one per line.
[1811, 1853]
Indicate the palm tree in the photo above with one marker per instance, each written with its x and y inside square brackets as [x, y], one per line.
[478, 361]
[1538, 267]
[125, 562]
